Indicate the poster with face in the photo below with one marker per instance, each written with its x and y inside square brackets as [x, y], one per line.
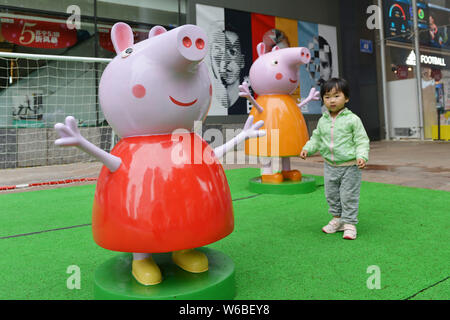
[438, 32]
[233, 36]
[229, 57]
[322, 43]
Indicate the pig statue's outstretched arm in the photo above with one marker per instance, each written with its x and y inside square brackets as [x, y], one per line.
[250, 130]
[313, 95]
[70, 136]
[244, 92]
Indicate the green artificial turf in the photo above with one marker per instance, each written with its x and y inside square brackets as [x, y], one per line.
[277, 246]
[33, 211]
[440, 291]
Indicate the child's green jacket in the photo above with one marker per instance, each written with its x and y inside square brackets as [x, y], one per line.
[339, 140]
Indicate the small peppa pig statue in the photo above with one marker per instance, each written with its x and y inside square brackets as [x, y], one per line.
[158, 192]
[274, 76]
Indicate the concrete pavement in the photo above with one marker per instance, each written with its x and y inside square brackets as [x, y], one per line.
[423, 164]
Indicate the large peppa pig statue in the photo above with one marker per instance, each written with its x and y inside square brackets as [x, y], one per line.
[274, 76]
[158, 191]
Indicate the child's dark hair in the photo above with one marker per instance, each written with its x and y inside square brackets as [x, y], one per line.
[335, 83]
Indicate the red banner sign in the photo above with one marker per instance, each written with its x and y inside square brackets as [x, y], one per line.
[402, 72]
[38, 34]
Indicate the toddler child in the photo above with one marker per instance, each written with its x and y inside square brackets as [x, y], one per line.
[342, 141]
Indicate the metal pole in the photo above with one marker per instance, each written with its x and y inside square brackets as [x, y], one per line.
[418, 70]
[17, 55]
[179, 13]
[387, 126]
[439, 123]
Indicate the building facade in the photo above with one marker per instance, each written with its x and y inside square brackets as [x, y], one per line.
[52, 55]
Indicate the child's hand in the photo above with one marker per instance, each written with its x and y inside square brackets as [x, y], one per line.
[361, 163]
[303, 154]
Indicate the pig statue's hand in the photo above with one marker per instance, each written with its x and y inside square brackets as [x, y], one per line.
[70, 136]
[244, 90]
[68, 132]
[313, 95]
[251, 130]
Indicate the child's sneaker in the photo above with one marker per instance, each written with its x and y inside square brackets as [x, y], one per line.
[333, 226]
[349, 232]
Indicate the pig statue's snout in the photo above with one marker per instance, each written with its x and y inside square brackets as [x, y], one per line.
[294, 57]
[305, 55]
[192, 43]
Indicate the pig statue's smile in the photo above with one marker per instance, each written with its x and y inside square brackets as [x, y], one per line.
[163, 77]
[182, 104]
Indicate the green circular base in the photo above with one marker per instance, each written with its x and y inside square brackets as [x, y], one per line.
[307, 185]
[113, 280]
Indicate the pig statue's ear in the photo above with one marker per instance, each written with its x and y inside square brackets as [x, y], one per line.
[261, 49]
[275, 48]
[156, 31]
[121, 37]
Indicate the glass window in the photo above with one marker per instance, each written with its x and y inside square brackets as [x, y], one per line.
[433, 17]
[48, 27]
[141, 15]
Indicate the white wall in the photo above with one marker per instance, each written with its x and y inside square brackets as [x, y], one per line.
[403, 106]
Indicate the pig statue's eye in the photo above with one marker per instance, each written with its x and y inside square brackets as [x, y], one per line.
[274, 62]
[127, 52]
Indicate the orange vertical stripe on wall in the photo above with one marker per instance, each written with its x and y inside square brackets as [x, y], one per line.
[290, 29]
